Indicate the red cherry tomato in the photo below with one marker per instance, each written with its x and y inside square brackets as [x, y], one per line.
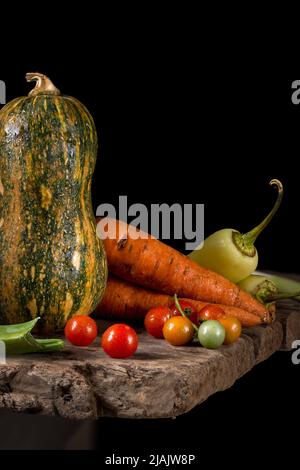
[119, 341]
[155, 320]
[210, 312]
[81, 330]
[187, 308]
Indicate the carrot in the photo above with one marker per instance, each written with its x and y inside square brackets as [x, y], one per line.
[125, 301]
[152, 264]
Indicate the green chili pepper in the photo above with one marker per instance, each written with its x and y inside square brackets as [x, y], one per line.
[283, 284]
[264, 289]
[230, 253]
[18, 339]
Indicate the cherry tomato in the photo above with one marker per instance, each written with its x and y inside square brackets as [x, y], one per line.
[187, 309]
[119, 341]
[211, 334]
[233, 329]
[210, 312]
[81, 330]
[178, 330]
[155, 320]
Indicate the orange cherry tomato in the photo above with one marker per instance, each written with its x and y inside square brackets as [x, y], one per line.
[178, 331]
[210, 312]
[233, 329]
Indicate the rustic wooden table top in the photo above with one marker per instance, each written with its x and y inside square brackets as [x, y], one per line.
[159, 381]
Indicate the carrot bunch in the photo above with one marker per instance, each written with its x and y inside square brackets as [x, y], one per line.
[146, 273]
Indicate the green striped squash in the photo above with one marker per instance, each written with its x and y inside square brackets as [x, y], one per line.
[52, 264]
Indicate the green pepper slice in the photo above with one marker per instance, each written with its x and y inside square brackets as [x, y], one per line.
[19, 340]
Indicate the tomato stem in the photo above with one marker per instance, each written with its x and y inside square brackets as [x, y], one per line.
[178, 306]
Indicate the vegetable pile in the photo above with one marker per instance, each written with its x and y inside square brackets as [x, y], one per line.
[54, 268]
[181, 323]
[151, 264]
[219, 294]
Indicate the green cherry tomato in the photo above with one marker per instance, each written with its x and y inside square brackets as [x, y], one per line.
[211, 334]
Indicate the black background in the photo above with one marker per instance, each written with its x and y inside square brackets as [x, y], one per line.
[169, 135]
[172, 130]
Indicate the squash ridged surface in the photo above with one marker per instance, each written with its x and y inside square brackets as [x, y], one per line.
[52, 264]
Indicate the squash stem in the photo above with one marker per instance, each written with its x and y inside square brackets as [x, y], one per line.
[43, 85]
